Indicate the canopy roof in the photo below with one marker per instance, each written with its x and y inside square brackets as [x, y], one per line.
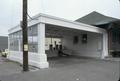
[96, 18]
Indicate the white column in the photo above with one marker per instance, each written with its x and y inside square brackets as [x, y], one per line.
[8, 46]
[19, 43]
[41, 47]
[105, 45]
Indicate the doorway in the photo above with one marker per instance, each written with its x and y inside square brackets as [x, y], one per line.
[52, 45]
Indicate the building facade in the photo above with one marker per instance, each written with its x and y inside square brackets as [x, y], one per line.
[47, 33]
[111, 25]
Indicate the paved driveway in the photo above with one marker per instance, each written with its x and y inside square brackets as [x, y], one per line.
[8, 67]
[71, 69]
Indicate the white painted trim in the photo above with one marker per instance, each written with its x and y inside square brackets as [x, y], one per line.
[72, 25]
[58, 21]
[68, 21]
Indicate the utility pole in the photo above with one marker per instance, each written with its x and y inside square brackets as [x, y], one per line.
[119, 64]
[25, 37]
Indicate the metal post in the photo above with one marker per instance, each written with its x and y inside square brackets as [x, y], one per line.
[25, 37]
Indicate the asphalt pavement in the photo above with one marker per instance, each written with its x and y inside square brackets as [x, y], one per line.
[64, 69]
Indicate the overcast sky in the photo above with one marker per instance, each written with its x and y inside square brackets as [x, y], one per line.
[11, 10]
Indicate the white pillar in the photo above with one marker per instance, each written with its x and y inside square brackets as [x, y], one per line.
[105, 45]
[8, 46]
[41, 47]
[19, 44]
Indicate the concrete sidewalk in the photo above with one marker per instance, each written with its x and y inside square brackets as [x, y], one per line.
[71, 69]
[8, 67]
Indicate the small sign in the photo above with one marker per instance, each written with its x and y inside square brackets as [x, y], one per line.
[25, 47]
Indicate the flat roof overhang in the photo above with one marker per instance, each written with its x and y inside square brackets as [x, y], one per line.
[47, 19]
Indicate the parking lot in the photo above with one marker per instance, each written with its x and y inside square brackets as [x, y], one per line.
[64, 69]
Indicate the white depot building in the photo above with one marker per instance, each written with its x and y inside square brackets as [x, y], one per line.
[47, 33]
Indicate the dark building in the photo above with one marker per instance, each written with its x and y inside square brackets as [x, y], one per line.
[3, 42]
[112, 25]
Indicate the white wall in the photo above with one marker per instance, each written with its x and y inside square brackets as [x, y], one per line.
[17, 56]
[93, 48]
[34, 58]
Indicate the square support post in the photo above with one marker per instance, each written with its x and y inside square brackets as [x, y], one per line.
[19, 45]
[105, 45]
[8, 45]
[41, 46]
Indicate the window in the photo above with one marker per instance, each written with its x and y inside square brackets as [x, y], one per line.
[115, 37]
[16, 40]
[32, 39]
